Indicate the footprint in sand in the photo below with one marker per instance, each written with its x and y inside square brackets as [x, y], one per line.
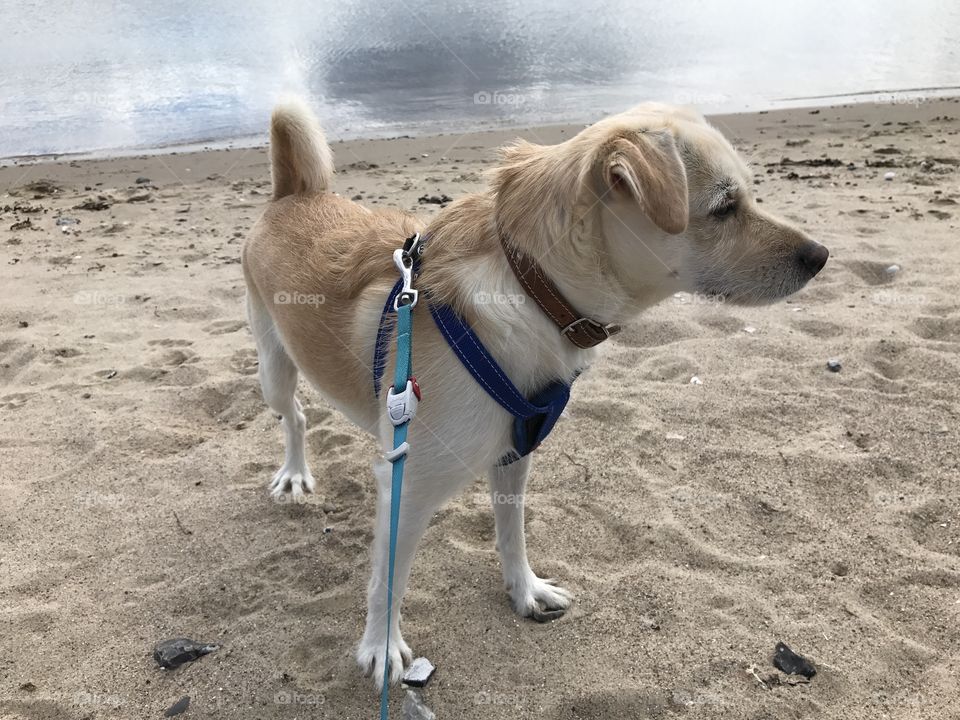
[321, 441]
[872, 273]
[819, 328]
[653, 333]
[609, 704]
[935, 328]
[224, 327]
[14, 401]
[170, 342]
[244, 361]
[933, 525]
[235, 403]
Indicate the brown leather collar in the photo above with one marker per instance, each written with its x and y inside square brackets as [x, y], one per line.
[582, 331]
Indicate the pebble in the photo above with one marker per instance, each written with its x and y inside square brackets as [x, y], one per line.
[892, 269]
[179, 707]
[179, 651]
[696, 381]
[889, 176]
[419, 673]
[791, 663]
[750, 329]
[834, 365]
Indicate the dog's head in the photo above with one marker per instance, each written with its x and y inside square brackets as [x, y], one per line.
[664, 202]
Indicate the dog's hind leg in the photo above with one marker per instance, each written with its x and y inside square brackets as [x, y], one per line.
[278, 380]
[531, 596]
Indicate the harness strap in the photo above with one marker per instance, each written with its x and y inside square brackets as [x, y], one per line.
[383, 337]
[533, 419]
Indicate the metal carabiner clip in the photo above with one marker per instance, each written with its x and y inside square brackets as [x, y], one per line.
[407, 295]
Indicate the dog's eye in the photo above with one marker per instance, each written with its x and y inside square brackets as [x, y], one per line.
[725, 210]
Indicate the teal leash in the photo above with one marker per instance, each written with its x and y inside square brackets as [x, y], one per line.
[402, 399]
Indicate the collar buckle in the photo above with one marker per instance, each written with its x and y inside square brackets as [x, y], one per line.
[594, 332]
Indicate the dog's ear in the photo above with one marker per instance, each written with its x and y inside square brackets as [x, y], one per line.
[646, 167]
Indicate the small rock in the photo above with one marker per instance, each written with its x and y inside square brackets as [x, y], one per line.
[419, 673]
[95, 204]
[786, 660]
[142, 180]
[179, 651]
[434, 199]
[179, 707]
[696, 381]
[28, 687]
[674, 436]
[750, 329]
[23, 324]
[64, 220]
[414, 709]
[892, 269]
[139, 197]
[889, 176]
[833, 365]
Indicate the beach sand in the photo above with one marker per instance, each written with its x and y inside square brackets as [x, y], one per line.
[698, 524]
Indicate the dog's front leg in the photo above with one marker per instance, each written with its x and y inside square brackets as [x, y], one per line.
[418, 505]
[532, 596]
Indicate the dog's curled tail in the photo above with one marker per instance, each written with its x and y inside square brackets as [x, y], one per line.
[300, 158]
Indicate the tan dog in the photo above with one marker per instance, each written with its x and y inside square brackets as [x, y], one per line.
[634, 208]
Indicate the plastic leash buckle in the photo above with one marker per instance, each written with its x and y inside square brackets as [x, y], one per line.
[402, 406]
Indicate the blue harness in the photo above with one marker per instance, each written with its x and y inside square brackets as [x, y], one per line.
[532, 419]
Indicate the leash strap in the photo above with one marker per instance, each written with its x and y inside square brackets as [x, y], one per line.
[400, 379]
[402, 399]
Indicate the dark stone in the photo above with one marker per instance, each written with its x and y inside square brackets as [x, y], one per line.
[179, 651]
[788, 661]
[179, 707]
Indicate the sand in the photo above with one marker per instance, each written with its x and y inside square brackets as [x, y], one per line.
[697, 524]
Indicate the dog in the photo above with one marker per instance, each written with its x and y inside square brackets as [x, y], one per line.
[631, 210]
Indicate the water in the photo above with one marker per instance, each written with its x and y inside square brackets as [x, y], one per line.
[109, 76]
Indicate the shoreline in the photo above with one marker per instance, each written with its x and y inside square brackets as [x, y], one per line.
[883, 98]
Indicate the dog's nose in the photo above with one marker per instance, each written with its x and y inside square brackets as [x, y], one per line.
[813, 256]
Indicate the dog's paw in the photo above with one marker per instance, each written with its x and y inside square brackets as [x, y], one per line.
[294, 481]
[370, 659]
[540, 599]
